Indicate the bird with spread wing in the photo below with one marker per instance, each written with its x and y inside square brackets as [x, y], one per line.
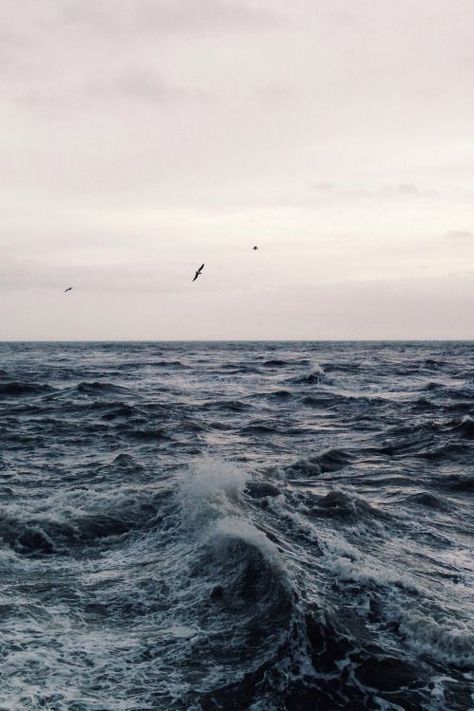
[198, 273]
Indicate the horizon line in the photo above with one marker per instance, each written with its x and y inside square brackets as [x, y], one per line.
[244, 340]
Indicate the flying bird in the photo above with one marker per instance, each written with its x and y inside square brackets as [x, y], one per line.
[68, 289]
[255, 247]
[198, 273]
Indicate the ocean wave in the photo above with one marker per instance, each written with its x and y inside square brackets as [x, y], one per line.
[230, 405]
[261, 489]
[424, 440]
[454, 391]
[341, 367]
[239, 368]
[331, 460]
[321, 400]
[316, 377]
[424, 405]
[426, 499]
[346, 507]
[20, 389]
[256, 428]
[249, 590]
[98, 388]
[453, 451]
[81, 519]
[458, 482]
[144, 434]
[117, 411]
[173, 364]
[213, 486]
[279, 395]
[465, 428]
[447, 643]
[275, 363]
[250, 531]
[125, 461]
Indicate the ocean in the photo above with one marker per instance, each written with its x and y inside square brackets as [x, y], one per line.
[237, 525]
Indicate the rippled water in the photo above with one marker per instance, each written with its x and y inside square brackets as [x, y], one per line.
[236, 525]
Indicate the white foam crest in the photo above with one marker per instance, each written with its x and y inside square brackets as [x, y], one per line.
[370, 571]
[7, 557]
[66, 506]
[350, 564]
[86, 501]
[238, 528]
[445, 644]
[384, 705]
[213, 489]
[210, 500]
[39, 669]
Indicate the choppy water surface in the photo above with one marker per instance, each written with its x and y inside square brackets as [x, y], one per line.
[236, 525]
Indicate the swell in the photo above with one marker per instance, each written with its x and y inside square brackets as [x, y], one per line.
[331, 460]
[429, 439]
[23, 389]
[81, 520]
[98, 388]
[341, 505]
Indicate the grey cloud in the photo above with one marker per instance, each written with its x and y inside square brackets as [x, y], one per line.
[48, 52]
[402, 190]
[168, 17]
[341, 19]
[11, 39]
[14, 50]
[147, 85]
[139, 85]
[274, 96]
[459, 234]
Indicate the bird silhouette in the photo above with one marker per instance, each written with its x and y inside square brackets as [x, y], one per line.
[255, 248]
[68, 289]
[198, 273]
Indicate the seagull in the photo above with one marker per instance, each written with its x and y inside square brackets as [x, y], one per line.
[198, 273]
[68, 289]
[255, 248]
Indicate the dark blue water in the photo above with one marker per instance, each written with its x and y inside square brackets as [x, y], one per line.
[236, 526]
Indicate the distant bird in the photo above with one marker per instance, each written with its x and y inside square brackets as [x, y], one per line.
[68, 289]
[255, 248]
[198, 273]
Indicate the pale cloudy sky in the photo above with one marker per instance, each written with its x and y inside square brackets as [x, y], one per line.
[140, 138]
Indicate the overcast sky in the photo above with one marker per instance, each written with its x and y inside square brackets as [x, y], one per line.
[140, 138]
